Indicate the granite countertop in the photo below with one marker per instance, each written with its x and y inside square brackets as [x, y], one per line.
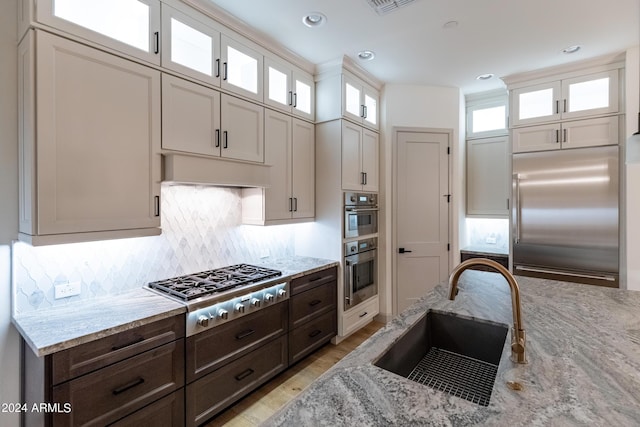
[486, 249]
[54, 329]
[583, 350]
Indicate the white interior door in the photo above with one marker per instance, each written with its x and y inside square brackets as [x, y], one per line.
[422, 214]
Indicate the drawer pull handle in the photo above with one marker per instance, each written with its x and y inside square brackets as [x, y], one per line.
[136, 341]
[364, 314]
[315, 279]
[244, 374]
[244, 334]
[128, 386]
[315, 302]
[315, 333]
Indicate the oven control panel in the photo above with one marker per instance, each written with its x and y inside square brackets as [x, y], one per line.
[234, 308]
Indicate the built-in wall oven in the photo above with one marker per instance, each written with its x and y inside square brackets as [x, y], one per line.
[361, 271]
[360, 214]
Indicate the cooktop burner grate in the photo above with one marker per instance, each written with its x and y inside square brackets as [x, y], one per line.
[192, 286]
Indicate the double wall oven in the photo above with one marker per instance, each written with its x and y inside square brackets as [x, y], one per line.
[360, 256]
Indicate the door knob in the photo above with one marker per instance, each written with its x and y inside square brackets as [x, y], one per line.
[403, 251]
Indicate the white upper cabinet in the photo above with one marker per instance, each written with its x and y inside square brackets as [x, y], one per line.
[360, 150]
[242, 69]
[576, 97]
[131, 26]
[360, 102]
[288, 89]
[190, 46]
[487, 177]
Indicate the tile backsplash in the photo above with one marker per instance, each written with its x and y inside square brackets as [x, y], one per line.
[201, 230]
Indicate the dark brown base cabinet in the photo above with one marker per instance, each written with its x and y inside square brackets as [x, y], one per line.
[134, 377]
[153, 376]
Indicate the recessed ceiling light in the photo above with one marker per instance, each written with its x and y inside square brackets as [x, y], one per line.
[366, 55]
[314, 19]
[484, 76]
[571, 49]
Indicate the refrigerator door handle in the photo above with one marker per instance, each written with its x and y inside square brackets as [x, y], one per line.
[516, 206]
[566, 273]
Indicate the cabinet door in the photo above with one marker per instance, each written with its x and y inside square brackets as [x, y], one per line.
[536, 138]
[190, 46]
[352, 106]
[487, 177]
[590, 132]
[589, 95]
[303, 95]
[278, 146]
[242, 129]
[303, 169]
[351, 157]
[190, 117]
[241, 69]
[370, 101]
[131, 26]
[278, 89]
[370, 162]
[535, 104]
[98, 143]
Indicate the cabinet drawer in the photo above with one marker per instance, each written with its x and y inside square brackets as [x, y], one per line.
[107, 395]
[310, 336]
[312, 280]
[502, 260]
[312, 303]
[359, 316]
[212, 393]
[166, 412]
[85, 358]
[210, 350]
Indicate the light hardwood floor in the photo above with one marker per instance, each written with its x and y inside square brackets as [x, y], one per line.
[269, 398]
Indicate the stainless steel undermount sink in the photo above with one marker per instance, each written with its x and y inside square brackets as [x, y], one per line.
[450, 353]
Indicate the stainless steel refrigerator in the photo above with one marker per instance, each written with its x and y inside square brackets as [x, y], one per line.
[565, 215]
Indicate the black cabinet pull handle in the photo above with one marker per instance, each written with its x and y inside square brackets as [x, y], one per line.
[156, 205]
[315, 279]
[156, 42]
[224, 71]
[290, 204]
[217, 138]
[218, 67]
[295, 100]
[315, 302]
[128, 386]
[136, 341]
[315, 333]
[290, 98]
[225, 138]
[365, 111]
[363, 314]
[403, 251]
[295, 204]
[244, 374]
[244, 334]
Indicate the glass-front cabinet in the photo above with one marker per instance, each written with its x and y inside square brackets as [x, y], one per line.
[360, 102]
[241, 69]
[131, 26]
[582, 96]
[190, 46]
[288, 89]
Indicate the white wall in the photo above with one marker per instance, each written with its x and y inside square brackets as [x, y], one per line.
[632, 81]
[9, 342]
[423, 107]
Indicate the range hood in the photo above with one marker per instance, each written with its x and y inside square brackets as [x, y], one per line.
[189, 169]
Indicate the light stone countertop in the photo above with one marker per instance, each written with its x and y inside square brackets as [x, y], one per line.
[583, 348]
[54, 329]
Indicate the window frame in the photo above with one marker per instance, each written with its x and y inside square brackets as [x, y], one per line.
[482, 101]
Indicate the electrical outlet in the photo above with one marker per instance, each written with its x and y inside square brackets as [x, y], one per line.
[490, 240]
[66, 290]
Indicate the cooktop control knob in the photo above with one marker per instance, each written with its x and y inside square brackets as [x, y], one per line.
[223, 314]
[268, 297]
[255, 302]
[282, 292]
[203, 321]
[239, 308]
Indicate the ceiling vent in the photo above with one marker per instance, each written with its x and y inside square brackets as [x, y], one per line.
[382, 7]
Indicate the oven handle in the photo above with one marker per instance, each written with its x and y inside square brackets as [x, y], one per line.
[347, 284]
[349, 209]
